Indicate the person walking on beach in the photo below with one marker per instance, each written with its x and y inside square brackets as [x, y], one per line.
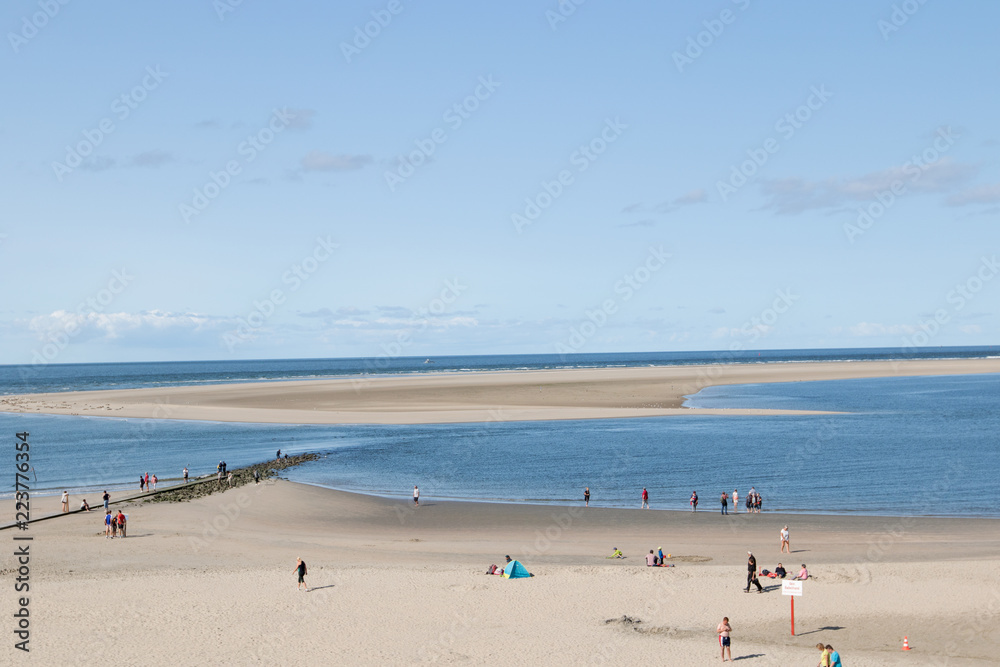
[784, 540]
[724, 629]
[155, 480]
[147, 481]
[586, 496]
[725, 503]
[645, 499]
[752, 573]
[834, 657]
[824, 656]
[416, 496]
[736, 501]
[300, 568]
[65, 501]
[694, 501]
[107, 498]
[229, 479]
[256, 475]
[185, 475]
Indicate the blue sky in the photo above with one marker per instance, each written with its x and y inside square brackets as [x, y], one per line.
[199, 180]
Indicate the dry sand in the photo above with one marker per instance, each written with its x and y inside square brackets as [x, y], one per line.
[470, 397]
[211, 582]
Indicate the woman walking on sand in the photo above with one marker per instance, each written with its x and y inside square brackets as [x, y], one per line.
[300, 568]
[784, 540]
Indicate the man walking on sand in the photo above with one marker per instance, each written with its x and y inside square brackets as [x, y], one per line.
[300, 568]
[416, 496]
[724, 629]
[752, 573]
[645, 499]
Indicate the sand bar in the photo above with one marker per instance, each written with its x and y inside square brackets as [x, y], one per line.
[210, 582]
[469, 397]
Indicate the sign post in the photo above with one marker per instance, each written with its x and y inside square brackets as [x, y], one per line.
[792, 589]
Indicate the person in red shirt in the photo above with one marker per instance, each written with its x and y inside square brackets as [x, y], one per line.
[645, 498]
[121, 523]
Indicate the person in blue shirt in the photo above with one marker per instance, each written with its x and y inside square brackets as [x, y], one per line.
[834, 657]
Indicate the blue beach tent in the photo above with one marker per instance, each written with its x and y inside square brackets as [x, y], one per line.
[515, 570]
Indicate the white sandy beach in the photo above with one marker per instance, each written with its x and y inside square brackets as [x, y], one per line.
[469, 397]
[211, 582]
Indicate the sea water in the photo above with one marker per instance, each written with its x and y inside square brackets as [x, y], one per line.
[911, 445]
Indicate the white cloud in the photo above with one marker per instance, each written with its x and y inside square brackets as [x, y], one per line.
[322, 161]
[983, 194]
[794, 195]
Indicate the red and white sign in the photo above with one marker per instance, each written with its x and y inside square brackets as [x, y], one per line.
[791, 588]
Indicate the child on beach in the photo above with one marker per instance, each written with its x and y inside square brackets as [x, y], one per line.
[616, 553]
[724, 629]
[694, 501]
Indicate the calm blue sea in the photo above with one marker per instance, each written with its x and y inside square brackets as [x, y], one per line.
[926, 446]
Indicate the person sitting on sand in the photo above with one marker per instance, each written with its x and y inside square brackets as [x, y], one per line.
[617, 553]
[84, 507]
[802, 575]
[780, 571]
[651, 559]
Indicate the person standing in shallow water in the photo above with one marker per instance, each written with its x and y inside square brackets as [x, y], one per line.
[725, 503]
[586, 496]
